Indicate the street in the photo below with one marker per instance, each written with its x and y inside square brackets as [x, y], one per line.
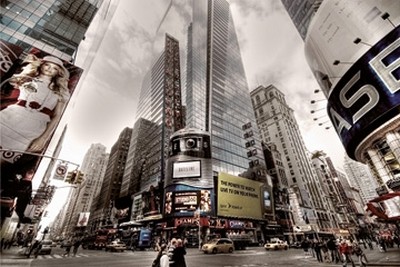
[251, 257]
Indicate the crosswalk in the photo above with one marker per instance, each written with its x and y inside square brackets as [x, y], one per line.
[61, 256]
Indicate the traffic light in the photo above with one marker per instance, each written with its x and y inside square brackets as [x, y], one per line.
[71, 177]
[79, 177]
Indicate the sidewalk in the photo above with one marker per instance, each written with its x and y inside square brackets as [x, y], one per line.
[375, 258]
[11, 257]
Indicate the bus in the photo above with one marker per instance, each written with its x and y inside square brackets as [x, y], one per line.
[135, 236]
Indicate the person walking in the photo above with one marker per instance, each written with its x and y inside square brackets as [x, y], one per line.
[332, 246]
[305, 245]
[76, 246]
[345, 253]
[317, 249]
[362, 259]
[178, 256]
[33, 247]
[68, 246]
[171, 249]
[162, 259]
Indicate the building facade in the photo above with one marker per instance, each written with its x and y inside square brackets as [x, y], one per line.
[279, 128]
[56, 27]
[103, 207]
[217, 95]
[361, 178]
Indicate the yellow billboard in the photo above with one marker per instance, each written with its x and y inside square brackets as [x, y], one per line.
[238, 197]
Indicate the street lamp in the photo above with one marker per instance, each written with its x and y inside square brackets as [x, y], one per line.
[337, 62]
[359, 41]
[385, 16]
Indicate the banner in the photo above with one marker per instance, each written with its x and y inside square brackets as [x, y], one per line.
[83, 219]
[37, 89]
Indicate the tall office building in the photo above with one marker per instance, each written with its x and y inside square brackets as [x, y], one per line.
[103, 205]
[93, 168]
[56, 27]
[143, 131]
[361, 178]
[159, 114]
[301, 12]
[217, 95]
[279, 128]
[351, 46]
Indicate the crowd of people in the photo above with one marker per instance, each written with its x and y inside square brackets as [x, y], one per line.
[171, 254]
[343, 250]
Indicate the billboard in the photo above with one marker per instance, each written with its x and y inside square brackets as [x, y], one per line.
[185, 203]
[238, 197]
[353, 53]
[83, 219]
[186, 169]
[36, 89]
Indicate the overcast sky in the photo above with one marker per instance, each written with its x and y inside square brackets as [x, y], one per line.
[272, 53]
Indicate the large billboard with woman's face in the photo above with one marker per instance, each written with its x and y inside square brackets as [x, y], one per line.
[35, 90]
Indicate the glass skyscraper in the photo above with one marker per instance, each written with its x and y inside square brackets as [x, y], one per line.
[217, 94]
[56, 27]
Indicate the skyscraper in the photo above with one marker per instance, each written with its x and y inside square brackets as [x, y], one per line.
[217, 95]
[278, 127]
[56, 27]
[93, 167]
[361, 178]
[104, 203]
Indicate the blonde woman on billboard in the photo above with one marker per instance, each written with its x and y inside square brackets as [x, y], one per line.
[28, 124]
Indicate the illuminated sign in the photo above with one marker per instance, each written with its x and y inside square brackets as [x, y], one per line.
[186, 169]
[186, 201]
[359, 77]
[238, 197]
[368, 95]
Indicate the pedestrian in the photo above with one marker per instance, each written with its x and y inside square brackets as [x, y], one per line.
[32, 248]
[345, 253]
[178, 256]
[382, 244]
[162, 259]
[317, 249]
[68, 246]
[305, 245]
[171, 248]
[332, 246]
[362, 259]
[325, 251]
[76, 246]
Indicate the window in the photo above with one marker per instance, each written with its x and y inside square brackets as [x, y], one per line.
[258, 100]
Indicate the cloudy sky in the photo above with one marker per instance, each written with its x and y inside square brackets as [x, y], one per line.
[272, 53]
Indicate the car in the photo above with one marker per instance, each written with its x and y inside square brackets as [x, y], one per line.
[116, 246]
[219, 245]
[46, 246]
[295, 245]
[276, 244]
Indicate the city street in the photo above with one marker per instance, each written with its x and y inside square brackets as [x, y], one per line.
[251, 257]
